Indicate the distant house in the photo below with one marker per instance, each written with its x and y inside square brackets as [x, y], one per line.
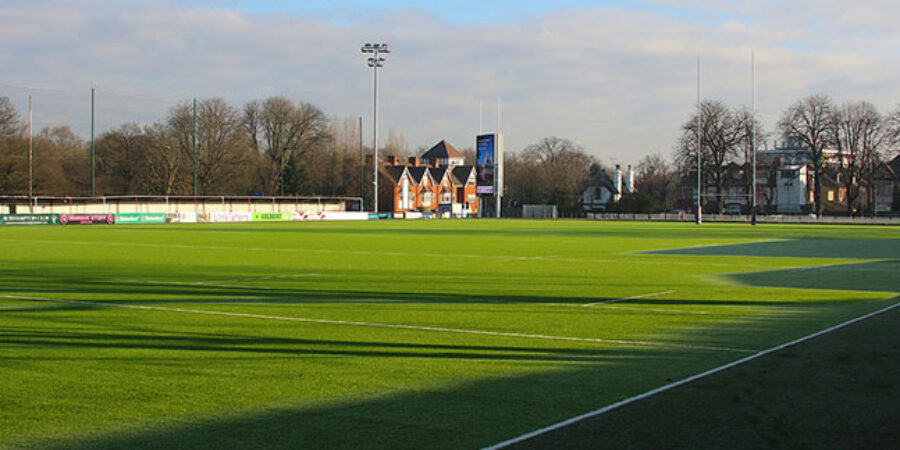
[785, 182]
[599, 193]
[443, 155]
[886, 186]
[437, 181]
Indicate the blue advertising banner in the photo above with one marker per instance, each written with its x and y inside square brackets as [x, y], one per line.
[485, 155]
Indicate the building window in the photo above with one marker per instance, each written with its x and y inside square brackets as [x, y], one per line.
[830, 196]
[427, 198]
[471, 198]
[446, 197]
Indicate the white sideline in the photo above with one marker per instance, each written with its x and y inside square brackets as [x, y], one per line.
[385, 325]
[633, 297]
[687, 380]
[660, 310]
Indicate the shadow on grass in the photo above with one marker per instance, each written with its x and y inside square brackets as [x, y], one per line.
[102, 284]
[554, 385]
[465, 415]
[879, 276]
[801, 248]
[181, 341]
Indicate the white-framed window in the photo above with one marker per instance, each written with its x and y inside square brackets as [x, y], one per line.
[471, 198]
[446, 197]
[427, 198]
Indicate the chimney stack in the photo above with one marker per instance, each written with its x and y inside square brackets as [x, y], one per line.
[414, 161]
[617, 182]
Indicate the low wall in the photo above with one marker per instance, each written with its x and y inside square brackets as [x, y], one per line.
[174, 205]
[804, 219]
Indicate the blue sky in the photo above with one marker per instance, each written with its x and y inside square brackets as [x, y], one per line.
[616, 77]
[458, 13]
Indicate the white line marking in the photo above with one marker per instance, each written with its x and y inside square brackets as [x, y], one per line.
[195, 284]
[687, 380]
[387, 325]
[662, 310]
[270, 277]
[633, 297]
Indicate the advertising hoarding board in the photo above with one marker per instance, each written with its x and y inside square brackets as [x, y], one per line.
[271, 216]
[87, 219]
[485, 155]
[182, 217]
[140, 218]
[489, 164]
[29, 219]
[226, 217]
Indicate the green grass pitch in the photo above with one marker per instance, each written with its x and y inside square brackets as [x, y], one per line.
[434, 334]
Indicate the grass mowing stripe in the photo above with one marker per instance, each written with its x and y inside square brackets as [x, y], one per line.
[195, 283]
[370, 253]
[388, 325]
[633, 297]
[687, 380]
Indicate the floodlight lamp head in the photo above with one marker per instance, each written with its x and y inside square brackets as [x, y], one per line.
[383, 48]
[367, 48]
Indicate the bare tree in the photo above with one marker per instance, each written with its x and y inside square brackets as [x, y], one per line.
[121, 160]
[559, 166]
[9, 119]
[724, 133]
[282, 132]
[811, 120]
[658, 179]
[340, 167]
[223, 150]
[68, 161]
[893, 130]
[13, 165]
[165, 163]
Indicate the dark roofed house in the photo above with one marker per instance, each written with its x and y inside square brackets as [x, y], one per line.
[396, 192]
[443, 155]
[886, 186]
[599, 193]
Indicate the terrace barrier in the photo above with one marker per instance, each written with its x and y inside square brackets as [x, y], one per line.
[802, 219]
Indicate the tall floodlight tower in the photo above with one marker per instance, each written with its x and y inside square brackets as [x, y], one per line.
[376, 61]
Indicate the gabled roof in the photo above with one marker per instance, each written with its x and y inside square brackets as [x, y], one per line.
[438, 173]
[601, 179]
[460, 174]
[394, 173]
[884, 171]
[895, 164]
[442, 150]
[419, 173]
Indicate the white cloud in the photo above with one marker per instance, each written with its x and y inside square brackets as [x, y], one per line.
[619, 82]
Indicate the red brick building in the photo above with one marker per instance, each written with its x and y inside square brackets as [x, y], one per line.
[439, 181]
